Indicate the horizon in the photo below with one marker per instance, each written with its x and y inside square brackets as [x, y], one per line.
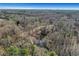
[50, 6]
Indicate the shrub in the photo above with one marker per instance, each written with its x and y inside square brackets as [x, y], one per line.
[52, 53]
[13, 50]
[32, 49]
[24, 52]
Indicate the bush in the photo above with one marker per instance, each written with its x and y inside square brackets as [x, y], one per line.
[32, 49]
[52, 53]
[24, 52]
[13, 51]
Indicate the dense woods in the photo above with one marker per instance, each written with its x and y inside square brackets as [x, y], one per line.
[39, 32]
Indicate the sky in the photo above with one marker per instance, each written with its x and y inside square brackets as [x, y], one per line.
[39, 6]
